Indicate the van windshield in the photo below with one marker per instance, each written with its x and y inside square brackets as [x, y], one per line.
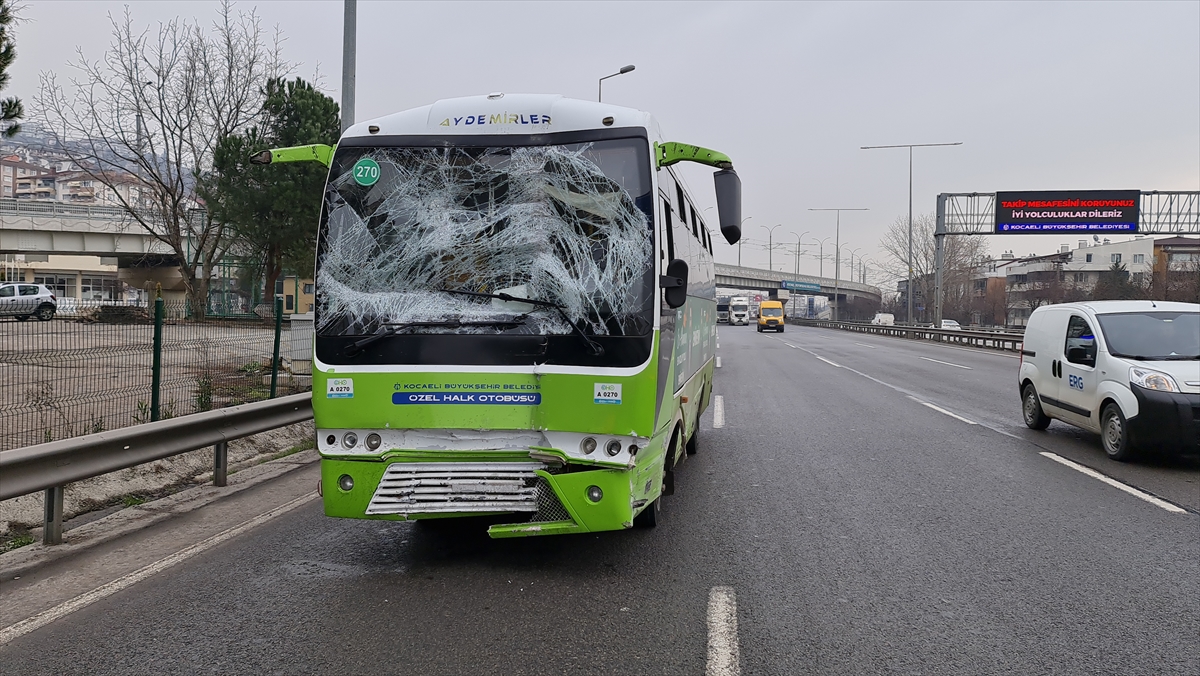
[1152, 336]
[771, 312]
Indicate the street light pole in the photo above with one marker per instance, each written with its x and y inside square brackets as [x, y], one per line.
[770, 245]
[349, 57]
[600, 83]
[821, 254]
[910, 146]
[837, 255]
[740, 240]
[798, 238]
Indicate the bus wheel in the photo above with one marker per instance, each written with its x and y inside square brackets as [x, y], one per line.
[648, 518]
[693, 444]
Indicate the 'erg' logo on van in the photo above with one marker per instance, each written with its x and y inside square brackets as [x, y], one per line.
[1076, 382]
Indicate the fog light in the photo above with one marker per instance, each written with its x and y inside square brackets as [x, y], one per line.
[345, 482]
[587, 445]
[613, 447]
[373, 441]
[633, 449]
[331, 440]
[594, 493]
[349, 439]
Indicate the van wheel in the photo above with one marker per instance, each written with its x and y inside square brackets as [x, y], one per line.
[1031, 409]
[759, 329]
[1115, 434]
[781, 329]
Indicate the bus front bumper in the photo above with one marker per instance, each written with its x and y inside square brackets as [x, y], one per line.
[545, 503]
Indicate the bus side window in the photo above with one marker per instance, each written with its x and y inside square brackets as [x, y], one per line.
[682, 203]
[695, 225]
[669, 227]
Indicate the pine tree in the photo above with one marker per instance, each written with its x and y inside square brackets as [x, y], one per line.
[11, 109]
[273, 211]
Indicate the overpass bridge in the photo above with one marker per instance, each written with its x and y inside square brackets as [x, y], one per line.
[838, 291]
[38, 227]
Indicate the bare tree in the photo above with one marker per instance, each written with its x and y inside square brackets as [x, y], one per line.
[961, 256]
[155, 106]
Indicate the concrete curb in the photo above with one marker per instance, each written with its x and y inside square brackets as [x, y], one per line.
[132, 519]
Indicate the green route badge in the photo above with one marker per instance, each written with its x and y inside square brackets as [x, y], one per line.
[366, 172]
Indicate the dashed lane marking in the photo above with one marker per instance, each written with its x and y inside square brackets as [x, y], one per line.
[718, 362]
[16, 630]
[831, 363]
[939, 409]
[718, 411]
[1157, 502]
[865, 345]
[938, 361]
[723, 657]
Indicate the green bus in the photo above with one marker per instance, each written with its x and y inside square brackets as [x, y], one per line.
[515, 314]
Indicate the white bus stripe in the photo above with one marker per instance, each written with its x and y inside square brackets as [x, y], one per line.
[722, 633]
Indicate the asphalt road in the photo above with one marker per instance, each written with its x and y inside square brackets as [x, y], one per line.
[860, 530]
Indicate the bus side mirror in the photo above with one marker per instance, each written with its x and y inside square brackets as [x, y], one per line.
[674, 283]
[729, 204]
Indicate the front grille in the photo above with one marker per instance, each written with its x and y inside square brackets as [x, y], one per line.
[549, 507]
[445, 487]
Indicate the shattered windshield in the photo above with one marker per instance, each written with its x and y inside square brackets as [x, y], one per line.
[406, 227]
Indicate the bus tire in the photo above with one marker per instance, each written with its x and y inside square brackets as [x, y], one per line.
[648, 517]
[693, 444]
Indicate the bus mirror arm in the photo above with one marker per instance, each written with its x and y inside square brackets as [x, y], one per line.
[674, 283]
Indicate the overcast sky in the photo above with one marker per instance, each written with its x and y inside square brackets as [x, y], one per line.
[1044, 96]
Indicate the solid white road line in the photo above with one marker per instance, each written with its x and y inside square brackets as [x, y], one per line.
[938, 361]
[939, 409]
[1115, 484]
[834, 364]
[865, 345]
[85, 599]
[722, 633]
[718, 362]
[718, 411]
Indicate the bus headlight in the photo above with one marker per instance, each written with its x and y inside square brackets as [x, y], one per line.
[349, 439]
[373, 441]
[1152, 380]
[587, 445]
[613, 447]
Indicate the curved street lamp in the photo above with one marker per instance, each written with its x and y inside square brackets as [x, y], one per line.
[600, 83]
[798, 242]
[740, 240]
[821, 253]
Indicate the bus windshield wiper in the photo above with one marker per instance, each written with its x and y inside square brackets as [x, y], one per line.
[596, 348]
[391, 329]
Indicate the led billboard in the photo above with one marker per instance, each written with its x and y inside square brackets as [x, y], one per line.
[1059, 211]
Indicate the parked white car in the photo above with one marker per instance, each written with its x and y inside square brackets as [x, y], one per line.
[21, 300]
[1128, 370]
[950, 325]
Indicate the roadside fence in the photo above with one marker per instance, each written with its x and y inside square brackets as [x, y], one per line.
[109, 366]
[996, 340]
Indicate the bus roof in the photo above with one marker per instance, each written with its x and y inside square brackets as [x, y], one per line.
[504, 114]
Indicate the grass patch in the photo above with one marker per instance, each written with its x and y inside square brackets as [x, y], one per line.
[132, 500]
[302, 446]
[15, 541]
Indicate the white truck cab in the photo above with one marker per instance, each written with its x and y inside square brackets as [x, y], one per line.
[739, 311]
[1128, 370]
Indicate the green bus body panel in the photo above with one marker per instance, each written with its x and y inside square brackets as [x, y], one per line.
[567, 402]
[317, 152]
[671, 152]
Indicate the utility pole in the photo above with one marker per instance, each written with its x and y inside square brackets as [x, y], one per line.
[837, 260]
[910, 147]
[349, 54]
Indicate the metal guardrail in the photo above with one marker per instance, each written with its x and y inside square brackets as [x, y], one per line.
[997, 340]
[11, 205]
[51, 466]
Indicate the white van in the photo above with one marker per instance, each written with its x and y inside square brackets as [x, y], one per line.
[884, 319]
[1128, 370]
